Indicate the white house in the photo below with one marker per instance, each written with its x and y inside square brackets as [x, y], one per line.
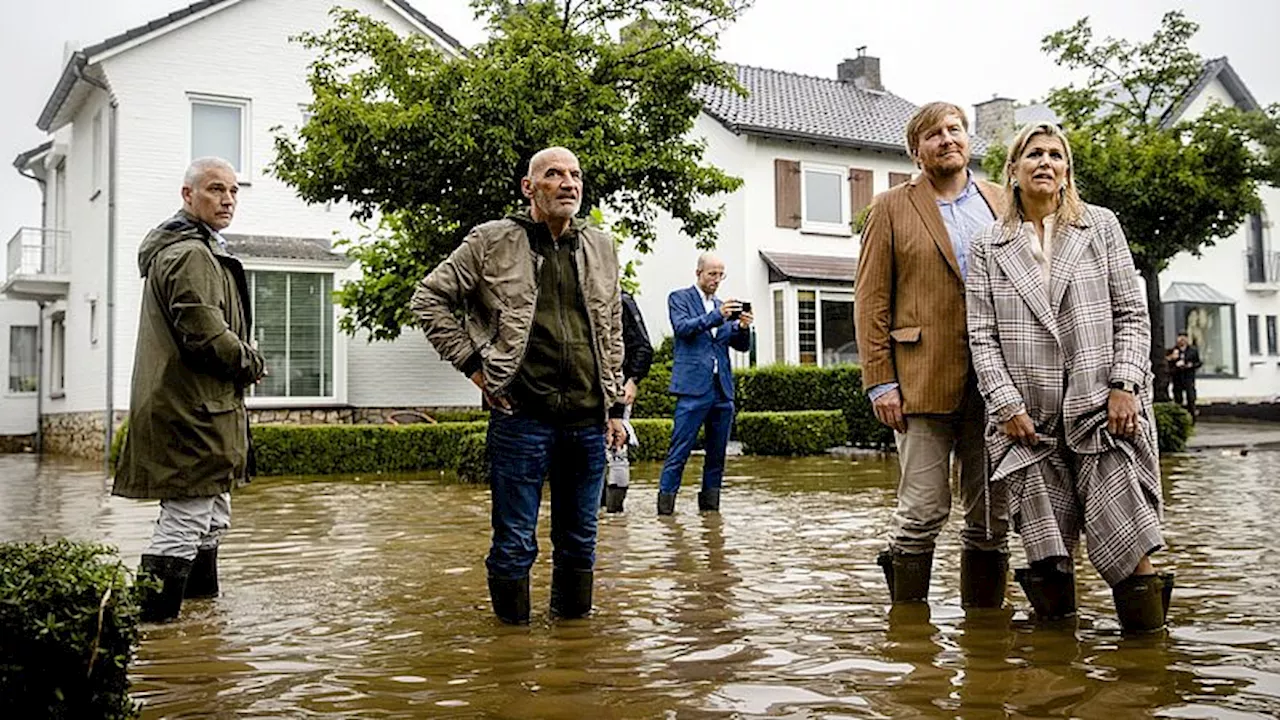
[18, 398]
[812, 153]
[1228, 299]
[125, 118]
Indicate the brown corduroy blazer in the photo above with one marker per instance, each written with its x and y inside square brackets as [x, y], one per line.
[909, 306]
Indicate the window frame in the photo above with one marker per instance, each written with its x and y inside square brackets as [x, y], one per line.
[841, 172]
[58, 355]
[791, 300]
[245, 105]
[1254, 326]
[338, 349]
[1176, 312]
[1273, 342]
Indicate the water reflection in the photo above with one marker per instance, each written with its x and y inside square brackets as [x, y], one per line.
[366, 597]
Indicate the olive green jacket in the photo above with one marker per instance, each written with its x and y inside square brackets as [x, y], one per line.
[478, 306]
[188, 428]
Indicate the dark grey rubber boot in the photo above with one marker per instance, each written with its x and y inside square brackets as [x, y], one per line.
[202, 583]
[1052, 593]
[571, 592]
[885, 561]
[510, 598]
[709, 500]
[666, 503]
[983, 576]
[165, 603]
[911, 574]
[614, 496]
[1140, 604]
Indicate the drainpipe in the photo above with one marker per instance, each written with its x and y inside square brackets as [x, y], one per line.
[44, 209]
[111, 263]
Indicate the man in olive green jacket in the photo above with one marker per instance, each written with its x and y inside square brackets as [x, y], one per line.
[529, 307]
[188, 439]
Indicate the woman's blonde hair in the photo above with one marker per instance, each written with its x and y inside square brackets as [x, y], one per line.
[1070, 206]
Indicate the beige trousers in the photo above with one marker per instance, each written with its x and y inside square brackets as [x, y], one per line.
[927, 452]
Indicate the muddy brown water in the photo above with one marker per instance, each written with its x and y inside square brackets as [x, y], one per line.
[365, 597]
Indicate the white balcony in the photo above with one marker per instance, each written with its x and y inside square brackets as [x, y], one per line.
[38, 266]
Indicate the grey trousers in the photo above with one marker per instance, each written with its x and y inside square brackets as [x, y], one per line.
[187, 525]
[926, 453]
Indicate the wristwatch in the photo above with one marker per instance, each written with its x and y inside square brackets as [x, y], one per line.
[1131, 388]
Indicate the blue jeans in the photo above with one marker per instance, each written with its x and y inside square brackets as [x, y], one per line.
[522, 450]
[713, 409]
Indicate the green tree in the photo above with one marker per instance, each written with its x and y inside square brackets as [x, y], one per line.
[432, 145]
[1177, 185]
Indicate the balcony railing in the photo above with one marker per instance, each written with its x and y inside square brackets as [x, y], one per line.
[1262, 267]
[35, 252]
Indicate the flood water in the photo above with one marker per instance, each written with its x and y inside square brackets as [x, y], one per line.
[366, 598]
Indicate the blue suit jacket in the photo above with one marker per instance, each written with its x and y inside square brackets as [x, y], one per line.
[696, 351]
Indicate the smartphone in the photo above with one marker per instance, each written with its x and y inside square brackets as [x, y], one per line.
[746, 307]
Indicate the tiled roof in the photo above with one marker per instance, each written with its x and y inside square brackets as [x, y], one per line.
[820, 268]
[277, 247]
[802, 107]
[23, 158]
[1218, 68]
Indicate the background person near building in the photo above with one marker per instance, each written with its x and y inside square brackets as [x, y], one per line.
[188, 440]
[910, 318]
[529, 308]
[1184, 361]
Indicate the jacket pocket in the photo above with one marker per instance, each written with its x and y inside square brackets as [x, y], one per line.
[905, 334]
[217, 406]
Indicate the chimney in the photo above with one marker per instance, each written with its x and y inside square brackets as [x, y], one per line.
[994, 120]
[863, 71]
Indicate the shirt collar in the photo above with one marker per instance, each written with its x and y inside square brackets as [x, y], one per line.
[970, 189]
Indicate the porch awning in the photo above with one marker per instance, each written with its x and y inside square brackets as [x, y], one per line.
[279, 247]
[839, 269]
[1194, 292]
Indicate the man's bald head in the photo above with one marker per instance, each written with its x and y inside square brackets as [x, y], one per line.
[553, 185]
[710, 272]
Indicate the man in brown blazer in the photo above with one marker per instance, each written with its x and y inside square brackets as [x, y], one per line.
[910, 318]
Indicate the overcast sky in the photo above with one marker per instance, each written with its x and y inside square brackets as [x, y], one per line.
[965, 51]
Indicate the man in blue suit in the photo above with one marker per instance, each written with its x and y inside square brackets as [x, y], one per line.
[702, 379]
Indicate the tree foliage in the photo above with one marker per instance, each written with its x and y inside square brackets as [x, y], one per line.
[1178, 184]
[431, 145]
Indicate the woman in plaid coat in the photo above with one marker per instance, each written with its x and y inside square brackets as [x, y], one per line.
[1060, 337]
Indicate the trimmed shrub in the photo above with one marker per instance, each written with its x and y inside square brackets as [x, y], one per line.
[1173, 426]
[472, 463]
[654, 435]
[783, 388]
[652, 398]
[344, 449]
[459, 415]
[806, 432]
[68, 630]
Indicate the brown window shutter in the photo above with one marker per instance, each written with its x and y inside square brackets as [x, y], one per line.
[786, 193]
[860, 190]
[896, 179]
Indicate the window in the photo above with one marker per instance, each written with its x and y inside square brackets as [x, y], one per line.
[293, 324]
[97, 155]
[839, 343]
[1272, 348]
[23, 373]
[58, 355]
[1211, 329]
[779, 326]
[1255, 347]
[808, 305]
[220, 128]
[825, 199]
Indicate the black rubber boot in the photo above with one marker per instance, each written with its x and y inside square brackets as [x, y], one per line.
[164, 604]
[885, 561]
[1140, 604]
[1167, 591]
[911, 577]
[666, 503]
[709, 500]
[203, 581]
[613, 498]
[983, 576]
[510, 598]
[1052, 593]
[604, 495]
[571, 593]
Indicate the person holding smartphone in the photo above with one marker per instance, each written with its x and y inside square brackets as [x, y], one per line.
[702, 379]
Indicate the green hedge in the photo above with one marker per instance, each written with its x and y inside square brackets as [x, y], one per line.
[68, 630]
[1173, 426]
[472, 463]
[802, 432]
[343, 449]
